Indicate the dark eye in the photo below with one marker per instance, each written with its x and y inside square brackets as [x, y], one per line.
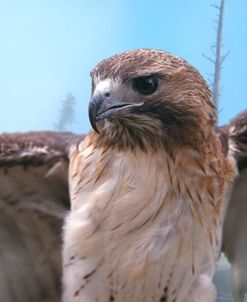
[146, 84]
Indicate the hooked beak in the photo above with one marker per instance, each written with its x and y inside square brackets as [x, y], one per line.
[101, 107]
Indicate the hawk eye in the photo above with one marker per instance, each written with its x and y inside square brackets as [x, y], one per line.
[145, 85]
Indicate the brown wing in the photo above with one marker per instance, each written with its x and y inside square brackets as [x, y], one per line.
[33, 201]
[235, 227]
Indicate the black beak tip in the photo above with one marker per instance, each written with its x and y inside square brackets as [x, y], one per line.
[92, 111]
[96, 129]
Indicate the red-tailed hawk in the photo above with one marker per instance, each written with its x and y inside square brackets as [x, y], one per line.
[34, 197]
[149, 188]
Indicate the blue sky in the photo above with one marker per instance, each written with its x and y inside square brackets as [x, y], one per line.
[48, 47]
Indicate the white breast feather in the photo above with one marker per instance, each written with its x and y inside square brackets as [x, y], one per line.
[130, 235]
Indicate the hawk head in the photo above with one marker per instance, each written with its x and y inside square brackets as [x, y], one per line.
[150, 97]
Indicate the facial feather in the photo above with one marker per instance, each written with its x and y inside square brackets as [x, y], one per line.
[181, 106]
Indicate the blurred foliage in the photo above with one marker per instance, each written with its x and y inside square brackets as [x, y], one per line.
[67, 113]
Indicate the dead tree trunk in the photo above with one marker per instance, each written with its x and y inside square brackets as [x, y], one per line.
[218, 58]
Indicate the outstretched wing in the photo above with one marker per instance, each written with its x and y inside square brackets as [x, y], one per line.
[235, 227]
[33, 201]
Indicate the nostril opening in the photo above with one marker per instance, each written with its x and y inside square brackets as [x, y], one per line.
[107, 94]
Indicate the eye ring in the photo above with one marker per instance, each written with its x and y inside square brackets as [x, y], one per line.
[145, 85]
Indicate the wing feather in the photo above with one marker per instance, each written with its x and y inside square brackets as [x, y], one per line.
[235, 226]
[33, 201]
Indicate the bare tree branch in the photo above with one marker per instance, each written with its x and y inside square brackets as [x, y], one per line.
[208, 58]
[215, 6]
[224, 57]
